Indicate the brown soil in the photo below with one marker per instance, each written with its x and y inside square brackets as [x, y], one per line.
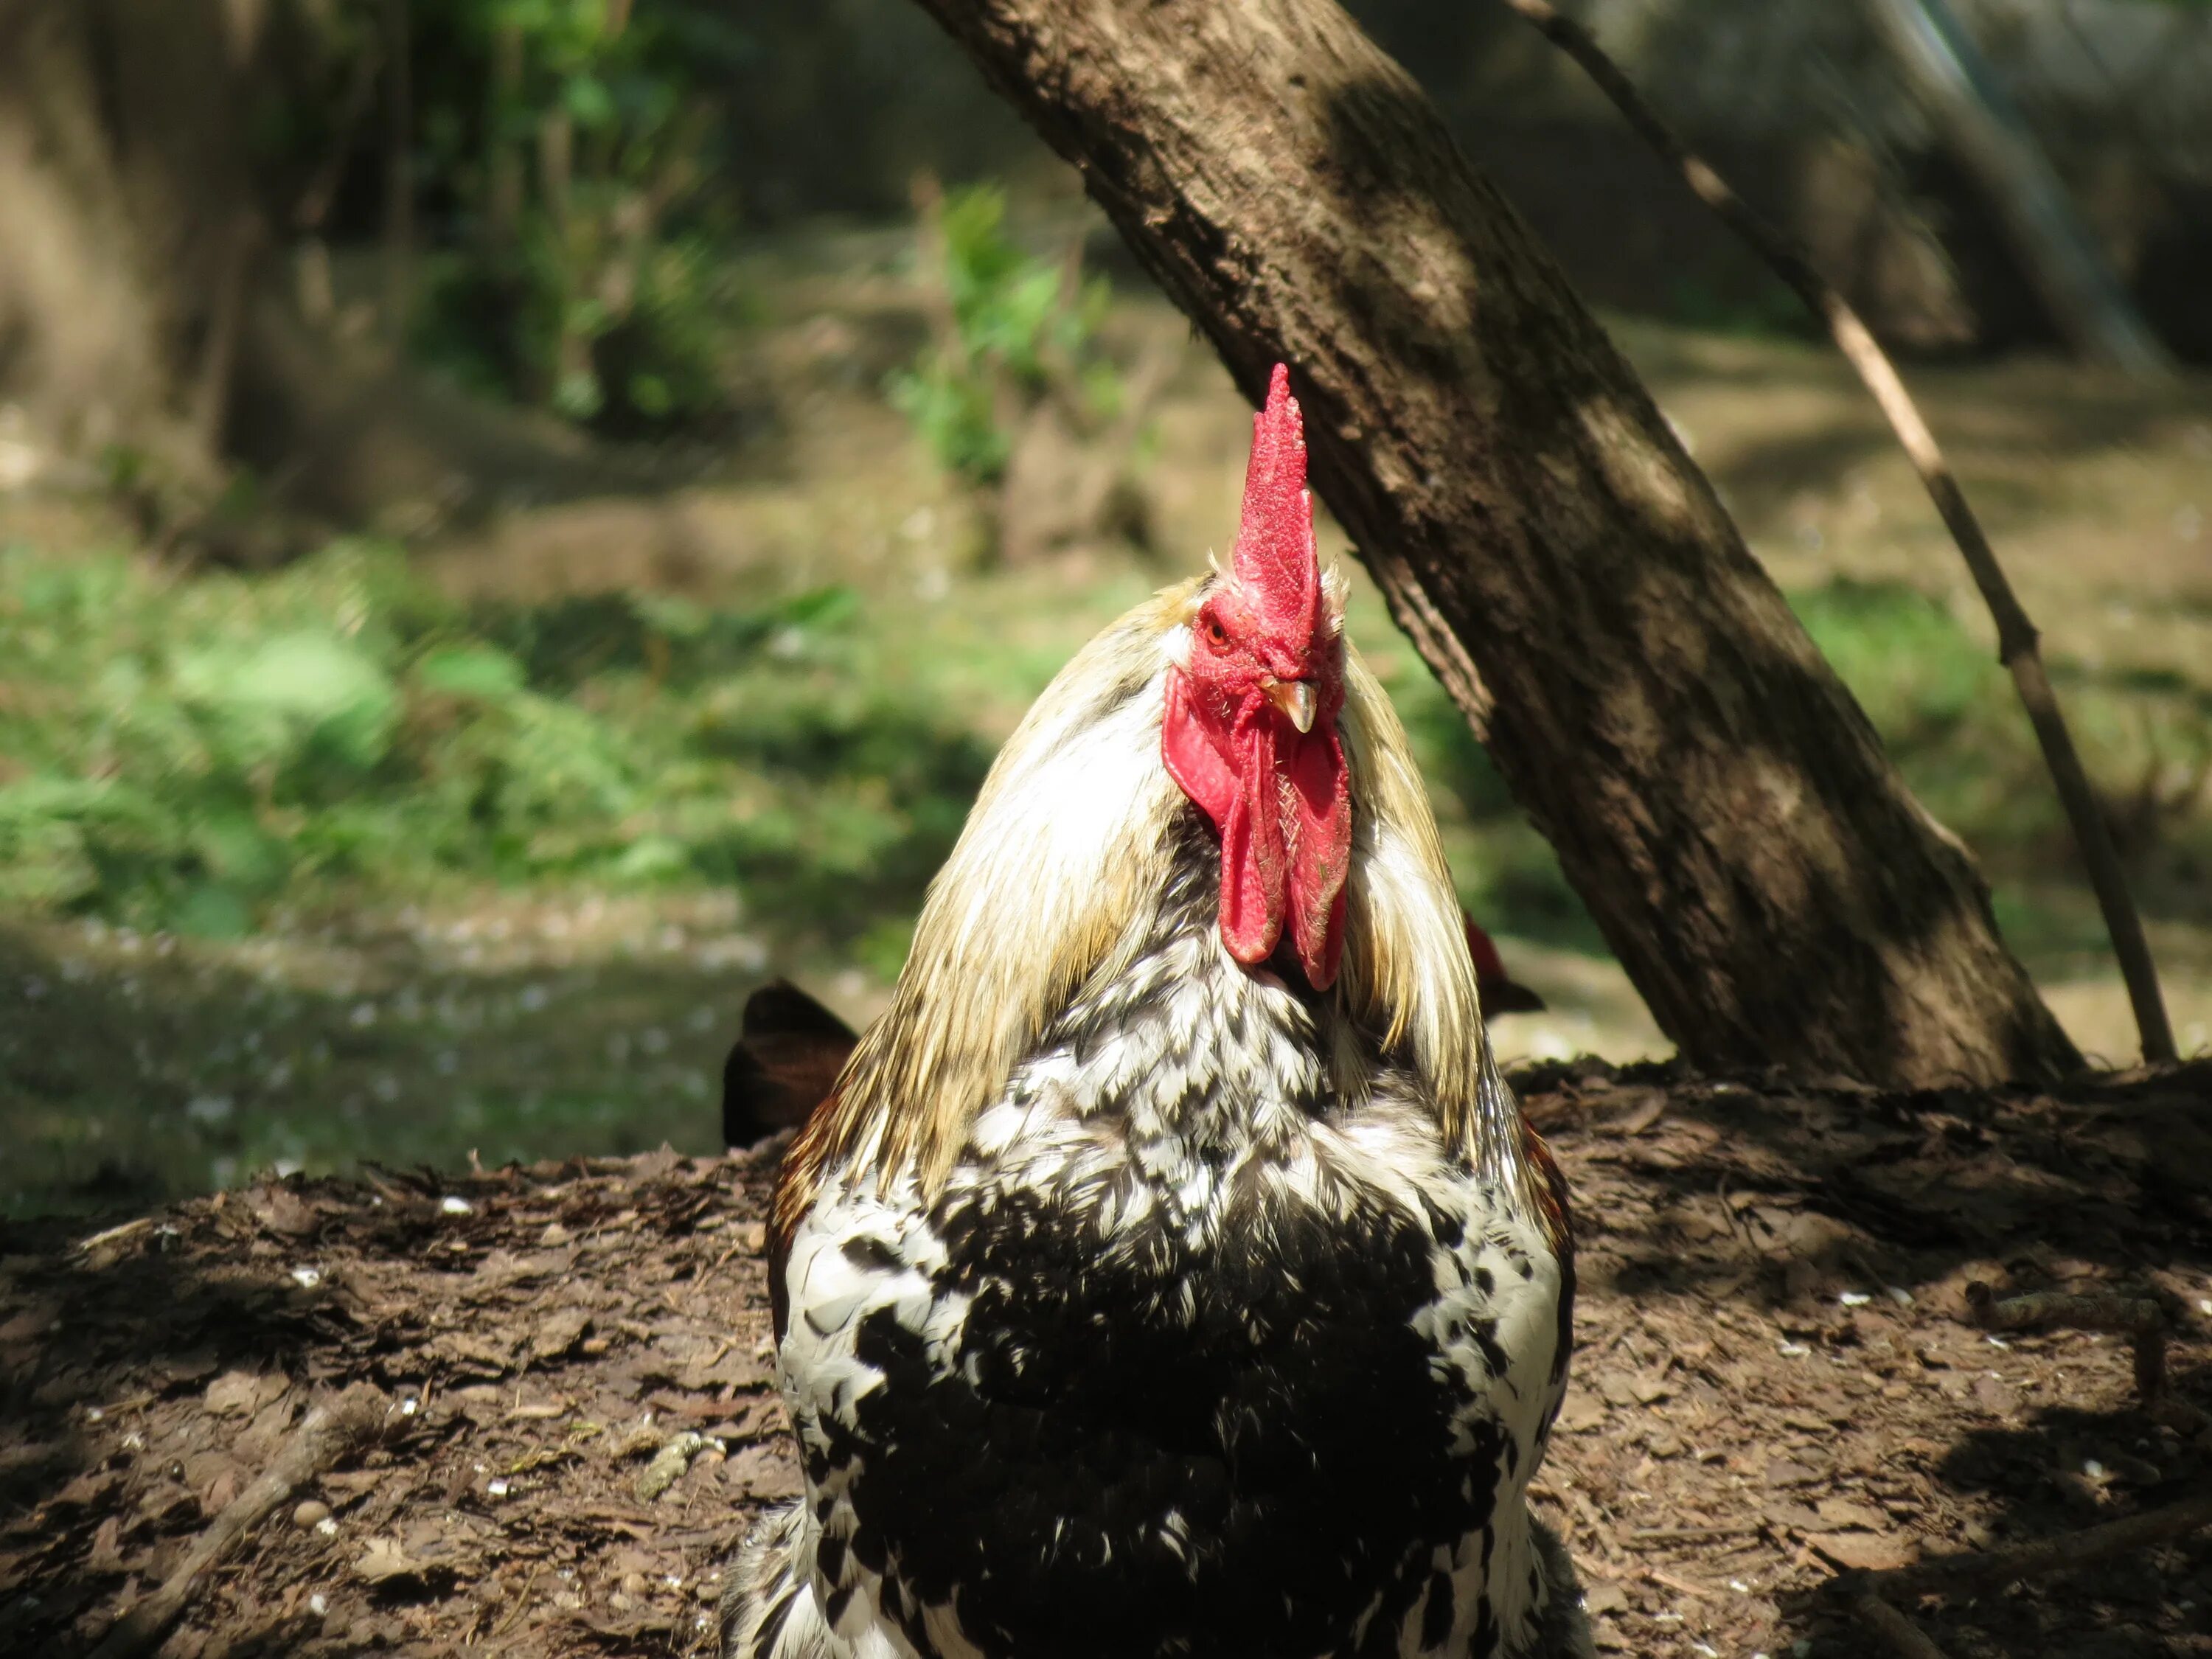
[1774, 1382]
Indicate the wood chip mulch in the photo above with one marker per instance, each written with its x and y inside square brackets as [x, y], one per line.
[1777, 1382]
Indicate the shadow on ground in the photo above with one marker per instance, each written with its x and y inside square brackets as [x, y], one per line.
[1773, 1380]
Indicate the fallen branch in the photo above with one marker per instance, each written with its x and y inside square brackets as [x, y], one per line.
[1693, 1534]
[1894, 1627]
[1991, 1569]
[2136, 1317]
[2017, 640]
[1668, 1581]
[325, 1434]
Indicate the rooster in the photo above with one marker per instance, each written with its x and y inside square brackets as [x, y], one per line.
[1171, 1270]
[790, 1047]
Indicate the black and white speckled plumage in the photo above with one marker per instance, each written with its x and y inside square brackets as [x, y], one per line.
[1190, 1355]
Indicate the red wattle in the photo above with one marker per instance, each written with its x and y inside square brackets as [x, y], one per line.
[1252, 861]
[1323, 843]
[1193, 757]
[1284, 851]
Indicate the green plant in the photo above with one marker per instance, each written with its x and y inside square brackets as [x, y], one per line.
[573, 144]
[184, 753]
[1017, 328]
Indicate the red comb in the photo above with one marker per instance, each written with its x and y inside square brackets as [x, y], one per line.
[1277, 563]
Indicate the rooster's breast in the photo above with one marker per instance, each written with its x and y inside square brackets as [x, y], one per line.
[1064, 1416]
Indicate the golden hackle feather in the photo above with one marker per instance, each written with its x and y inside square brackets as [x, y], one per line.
[1407, 975]
[1051, 883]
[1062, 846]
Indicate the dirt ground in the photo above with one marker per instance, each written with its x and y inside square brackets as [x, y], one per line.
[1775, 1382]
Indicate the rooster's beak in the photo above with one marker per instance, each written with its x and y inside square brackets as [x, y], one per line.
[1296, 699]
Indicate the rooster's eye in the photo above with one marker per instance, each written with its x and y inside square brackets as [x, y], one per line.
[1216, 635]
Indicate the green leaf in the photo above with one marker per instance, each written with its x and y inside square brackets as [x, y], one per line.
[273, 700]
[579, 396]
[650, 396]
[653, 858]
[47, 799]
[822, 607]
[588, 102]
[482, 671]
[211, 910]
[240, 853]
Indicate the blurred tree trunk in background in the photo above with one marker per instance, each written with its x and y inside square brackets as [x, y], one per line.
[168, 174]
[1721, 804]
[1937, 58]
[128, 230]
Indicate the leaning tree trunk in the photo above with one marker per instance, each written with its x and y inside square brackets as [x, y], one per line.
[1721, 804]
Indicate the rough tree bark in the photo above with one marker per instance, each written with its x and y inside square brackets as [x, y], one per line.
[1716, 796]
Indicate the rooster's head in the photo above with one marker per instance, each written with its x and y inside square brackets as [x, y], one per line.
[1249, 729]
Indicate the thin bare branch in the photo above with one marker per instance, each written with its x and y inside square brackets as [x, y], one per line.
[2137, 1317]
[2017, 642]
[1978, 1573]
[1903, 1635]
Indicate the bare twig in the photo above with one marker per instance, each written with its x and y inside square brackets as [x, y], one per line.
[2136, 1317]
[1668, 1581]
[521, 1604]
[110, 1237]
[1692, 1534]
[2017, 647]
[1894, 1627]
[324, 1435]
[1951, 1574]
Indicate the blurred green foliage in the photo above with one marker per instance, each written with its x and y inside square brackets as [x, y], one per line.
[182, 753]
[1020, 325]
[567, 151]
[1945, 709]
[1948, 715]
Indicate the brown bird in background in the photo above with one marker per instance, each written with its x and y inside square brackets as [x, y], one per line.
[786, 1061]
